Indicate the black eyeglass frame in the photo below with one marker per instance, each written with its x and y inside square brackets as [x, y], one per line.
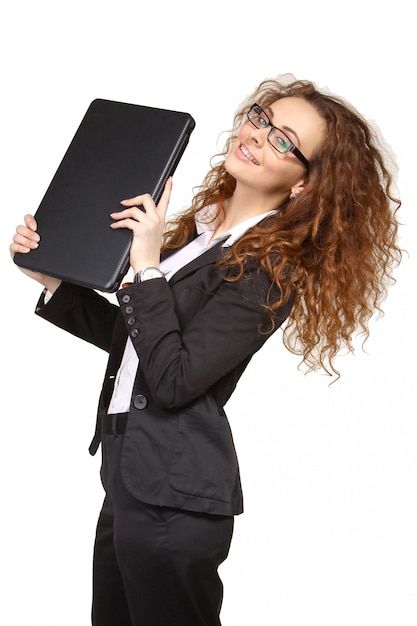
[291, 148]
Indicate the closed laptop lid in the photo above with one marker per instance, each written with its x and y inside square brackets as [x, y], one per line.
[119, 151]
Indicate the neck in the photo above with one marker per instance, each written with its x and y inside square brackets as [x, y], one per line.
[241, 206]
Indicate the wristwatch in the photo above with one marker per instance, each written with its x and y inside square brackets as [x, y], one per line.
[147, 274]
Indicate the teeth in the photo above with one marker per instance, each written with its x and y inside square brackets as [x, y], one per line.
[249, 155]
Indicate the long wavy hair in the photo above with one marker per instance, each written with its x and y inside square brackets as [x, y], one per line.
[333, 247]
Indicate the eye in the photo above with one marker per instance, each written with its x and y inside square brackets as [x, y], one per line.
[263, 120]
[281, 142]
[258, 117]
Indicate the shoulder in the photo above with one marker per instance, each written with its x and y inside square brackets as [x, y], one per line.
[256, 285]
[252, 279]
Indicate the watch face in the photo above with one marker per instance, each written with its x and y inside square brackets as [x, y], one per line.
[151, 272]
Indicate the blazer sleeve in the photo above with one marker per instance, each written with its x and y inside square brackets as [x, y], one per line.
[182, 363]
[82, 312]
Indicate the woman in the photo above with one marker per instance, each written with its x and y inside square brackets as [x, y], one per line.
[295, 222]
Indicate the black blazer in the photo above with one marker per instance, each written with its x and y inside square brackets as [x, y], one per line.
[194, 336]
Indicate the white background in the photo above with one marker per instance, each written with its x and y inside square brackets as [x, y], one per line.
[329, 474]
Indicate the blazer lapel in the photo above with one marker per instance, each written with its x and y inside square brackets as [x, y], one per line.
[206, 258]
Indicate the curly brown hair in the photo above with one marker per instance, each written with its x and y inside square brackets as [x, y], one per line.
[333, 247]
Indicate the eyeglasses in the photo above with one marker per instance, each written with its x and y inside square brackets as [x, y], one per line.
[276, 137]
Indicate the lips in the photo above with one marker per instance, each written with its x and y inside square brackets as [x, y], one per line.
[248, 154]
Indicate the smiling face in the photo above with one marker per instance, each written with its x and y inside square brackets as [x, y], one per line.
[262, 171]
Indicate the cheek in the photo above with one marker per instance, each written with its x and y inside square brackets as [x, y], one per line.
[278, 174]
[228, 165]
[283, 170]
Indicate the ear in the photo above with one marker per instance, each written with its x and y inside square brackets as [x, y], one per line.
[297, 188]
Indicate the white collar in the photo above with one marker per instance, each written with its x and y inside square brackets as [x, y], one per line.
[204, 225]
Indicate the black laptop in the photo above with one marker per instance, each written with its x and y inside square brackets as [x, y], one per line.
[119, 151]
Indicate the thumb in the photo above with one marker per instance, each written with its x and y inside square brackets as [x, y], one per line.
[164, 201]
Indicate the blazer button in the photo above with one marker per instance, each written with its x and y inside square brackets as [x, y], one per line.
[126, 298]
[129, 310]
[140, 402]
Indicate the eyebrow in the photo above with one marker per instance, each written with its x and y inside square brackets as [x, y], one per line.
[285, 128]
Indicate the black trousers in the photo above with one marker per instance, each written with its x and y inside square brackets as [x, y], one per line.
[154, 566]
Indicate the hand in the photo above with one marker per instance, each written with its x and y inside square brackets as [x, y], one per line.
[147, 227]
[26, 239]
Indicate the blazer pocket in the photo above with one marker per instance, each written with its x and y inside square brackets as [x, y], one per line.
[204, 462]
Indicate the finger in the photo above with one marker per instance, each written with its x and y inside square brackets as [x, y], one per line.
[134, 214]
[125, 223]
[137, 200]
[147, 204]
[14, 247]
[26, 233]
[146, 199]
[21, 246]
[24, 241]
[30, 222]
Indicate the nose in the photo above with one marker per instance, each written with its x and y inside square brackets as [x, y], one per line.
[258, 135]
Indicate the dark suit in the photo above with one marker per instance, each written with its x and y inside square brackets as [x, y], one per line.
[194, 336]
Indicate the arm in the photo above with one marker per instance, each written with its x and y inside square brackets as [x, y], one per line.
[182, 361]
[80, 311]
[181, 364]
